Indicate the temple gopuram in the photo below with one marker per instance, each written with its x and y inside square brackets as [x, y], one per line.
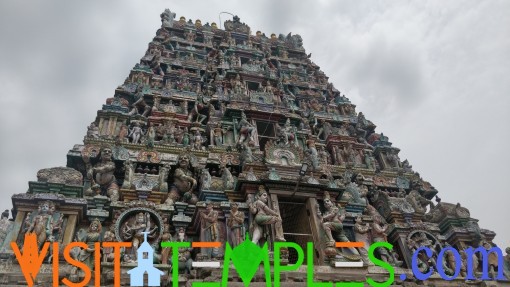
[218, 134]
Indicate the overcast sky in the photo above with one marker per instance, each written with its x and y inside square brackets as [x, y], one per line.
[434, 76]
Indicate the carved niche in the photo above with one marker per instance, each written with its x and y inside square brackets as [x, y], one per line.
[283, 155]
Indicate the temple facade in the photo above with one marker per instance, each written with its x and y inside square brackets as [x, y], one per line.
[218, 134]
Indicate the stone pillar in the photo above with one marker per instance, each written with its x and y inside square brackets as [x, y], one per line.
[278, 228]
[70, 228]
[18, 222]
[311, 206]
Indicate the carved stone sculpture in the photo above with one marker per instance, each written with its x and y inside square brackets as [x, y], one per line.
[133, 228]
[103, 177]
[263, 216]
[92, 236]
[209, 228]
[246, 130]
[93, 131]
[136, 133]
[235, 224]
[183, 179]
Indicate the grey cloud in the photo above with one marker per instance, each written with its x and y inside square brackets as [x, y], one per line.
[431, 75]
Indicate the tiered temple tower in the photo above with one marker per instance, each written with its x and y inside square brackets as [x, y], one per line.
[218, 133]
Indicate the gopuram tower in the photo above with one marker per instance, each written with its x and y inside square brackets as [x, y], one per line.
[218, 134]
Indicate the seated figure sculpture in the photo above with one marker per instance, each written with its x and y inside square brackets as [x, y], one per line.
[103, 177]
[331, 223]
[184, 182]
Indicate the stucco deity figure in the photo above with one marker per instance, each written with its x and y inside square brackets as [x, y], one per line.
[165, 252]
[151, 136]
[263, 216]
[136, 133]
[92, 236]
[418, 202]
[246, 129]
[205, 179]
[139, 102]
[198, 111]
[325, 130]
[183, 178]
[286, 133]
[103, 177]
[343, 130]
[209, 228]
[133, 229]
[246, 155]
[312, 154]
[393, 159]
[324, 156]
[123, 133]
[198, 140]
[108, 254]
[362, 234]
[93, 131]
[227, 178]
[185, 261]
[369, 160]
[218, 132]
[42, 224]
[235, 224]
[331, 221]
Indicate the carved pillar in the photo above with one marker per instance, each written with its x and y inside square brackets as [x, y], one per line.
[278, 229]
[111, 126]
[18, 222]
[70, 228]
[311, 206]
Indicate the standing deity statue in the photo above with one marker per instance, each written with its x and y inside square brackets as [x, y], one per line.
[92, 236]
[123, 134]
[198, 140]
[209, 229]
[205, 179]
[246, 129]
[236, 224]
[184, 256]
[136, 133]
[324, 156]
[165, 252]
[134, 229]
[218, 132]
[151, 136]
[369, 160]
[362, 234]
[42, 224]
[102, 175]
[108, 252]
[246, 155]
[286, 133]
[312, 154]
[263, 216]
